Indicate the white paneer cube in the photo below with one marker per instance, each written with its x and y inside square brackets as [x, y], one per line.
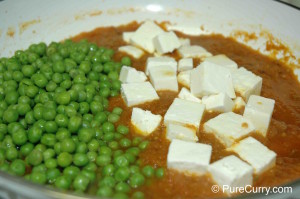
[144, 121]
[255, 153]
[163, 78]
[208, 79]
[143, 36]
[239, 103]
[184, 78]
[229, 127]
[132, 51]
[184, 41]
[219, 103]
[153, 62]
[185, 94]
[138, 93]
[246, 83]
[175, 131]
[185, 64]
[222, 60]
[231, 172]
[131, 75]
[185, 113]
[189, 157]
[127, 36]
[193, 51]
[259, 110]
[166, 42]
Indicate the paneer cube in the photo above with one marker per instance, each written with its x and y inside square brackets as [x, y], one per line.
[127, 36]
[184, 78]
[185, 94]
[189, 157]
[231, 172]
[144, 121]
[153, 62]
[166, 42]
[163, 78]
[193, 51]
[185, 64]
[218, 103]
[222, 60]
[184, 41]
[229, 127]
[246, 83]
[138, 93]
[131, 75]
[185, 113]
[143, 36]
[255, 153]
[259, 111]
[175, 131]
[239, 103]
[132, 51]
[208, 79]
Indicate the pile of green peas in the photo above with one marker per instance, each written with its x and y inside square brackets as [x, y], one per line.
[55, 128]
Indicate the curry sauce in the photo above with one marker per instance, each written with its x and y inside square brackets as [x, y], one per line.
[279, 83]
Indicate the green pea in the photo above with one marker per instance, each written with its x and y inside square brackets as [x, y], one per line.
[89, 174]
[74, 124]
[148, 171]
[62, 120]
[63, 182]
[121, 161]
[19, 137]
[120, 195]
[143, 145]
[108, 127]
[71, 172]
[35, 134]
[52, 175]
[68, 145]
[122, 174]
[51, 163]
[81, 147]
[126, 61]
[125, 142]
[105, 191]
[35, 157]
[113, 118]
[138, 195]
[18, 167]
[63, 98]
[38, 177]
[64, 159]
[103, 160]
[136, 180]
[160, 172]
[122, 187]
[81, 182]
[26, 149]
[134, 169]
[80, 159]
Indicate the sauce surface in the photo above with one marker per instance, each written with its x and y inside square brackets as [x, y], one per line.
[279, 83]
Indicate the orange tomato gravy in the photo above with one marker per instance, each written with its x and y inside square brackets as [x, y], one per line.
[279, 83]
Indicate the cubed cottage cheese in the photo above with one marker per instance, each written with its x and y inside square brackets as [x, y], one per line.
[185, 64]
[184, 41]
[138, 93]
[218, 103]
[193, 51]
[163, 78]
[185, 113]
[208, 79]
[131, 75]
[132, 51]
[231, 172]
[255, 153]
[184, 78]
[166, 42]
[143, 36]
[176, 131]
[144, 121]
[259, 110]
[229, 127]
[189, 157]
[246, 83]
[222, 60]
[153, 62]
[239, 103]
[185, 94]
[127, 36]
